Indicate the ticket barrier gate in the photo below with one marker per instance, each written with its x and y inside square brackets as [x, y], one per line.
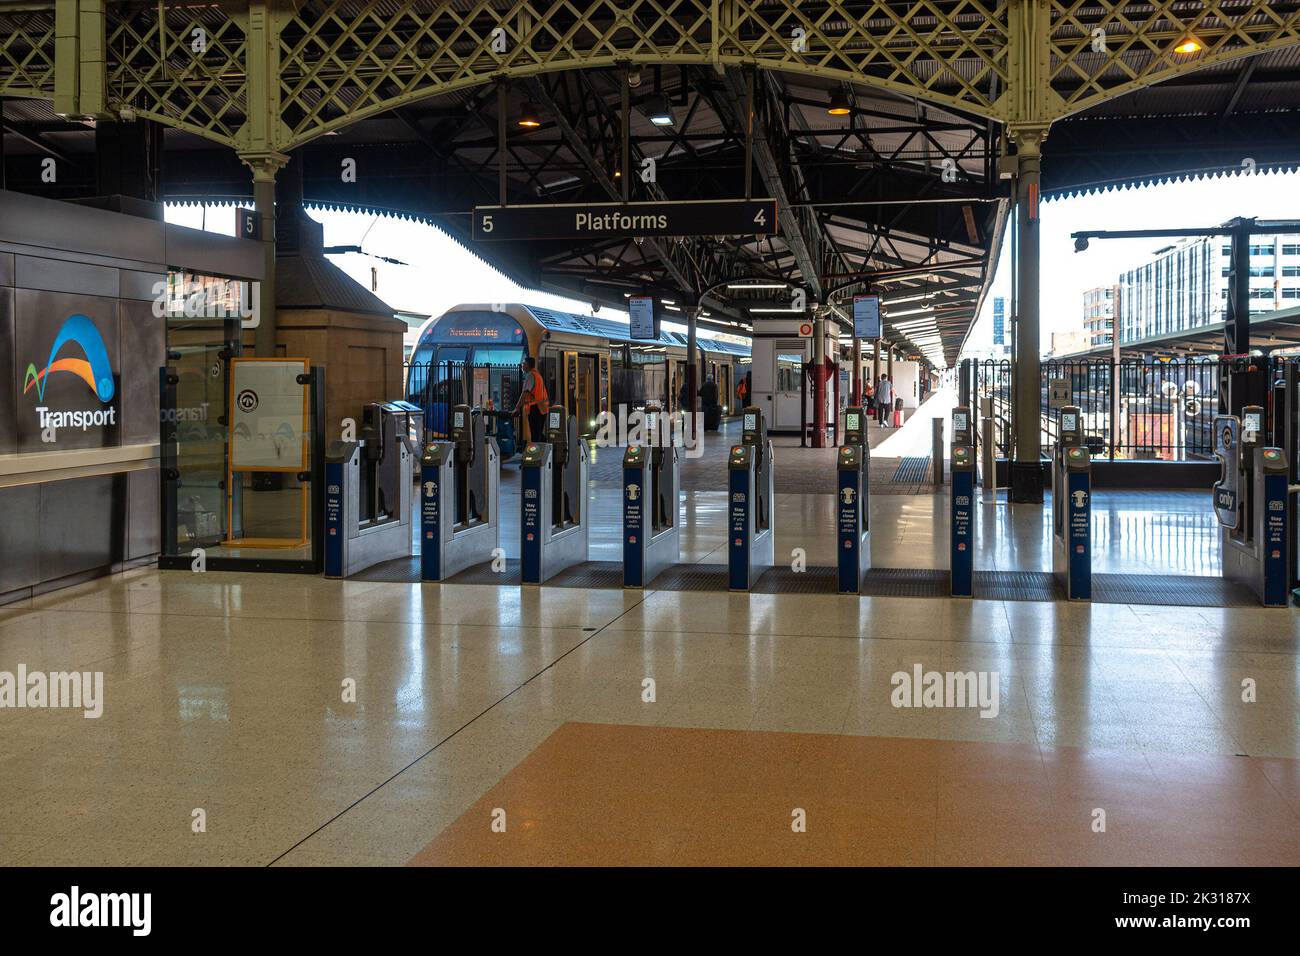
[554, 525]
[1250, 501]
[961, 530]
[368, 495]
[651, 525]
[853, 469]
[750, 523]
[1072, 508]
[460, 491]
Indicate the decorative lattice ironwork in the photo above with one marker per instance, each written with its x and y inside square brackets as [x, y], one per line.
[1102, 50]
[185, 68]
[27, 53]
[341, 61]
[328, 63]
[947, 51]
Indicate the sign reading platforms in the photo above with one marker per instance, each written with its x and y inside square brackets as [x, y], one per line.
[724, 217]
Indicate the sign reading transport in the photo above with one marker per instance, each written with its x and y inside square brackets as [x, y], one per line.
[725, 217]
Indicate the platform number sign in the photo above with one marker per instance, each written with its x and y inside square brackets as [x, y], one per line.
[246, 226]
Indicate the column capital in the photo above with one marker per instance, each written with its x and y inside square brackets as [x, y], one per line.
[1028, 137]
[264, 164]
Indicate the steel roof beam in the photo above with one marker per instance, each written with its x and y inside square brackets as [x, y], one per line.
[806, 246]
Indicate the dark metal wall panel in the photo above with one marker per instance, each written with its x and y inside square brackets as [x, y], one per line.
[143, 535]
[34, 221]
[201, 251]
[9, 381]
[77, 522]
[38, 317]
[20, 513]
[54, 275]
[144, 349]
[6, 268]
[141, 285]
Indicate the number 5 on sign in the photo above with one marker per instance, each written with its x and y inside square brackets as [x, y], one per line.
[487, 224]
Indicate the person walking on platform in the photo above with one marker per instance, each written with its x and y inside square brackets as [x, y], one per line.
[533, 400]
[709, 405]
[884, 400]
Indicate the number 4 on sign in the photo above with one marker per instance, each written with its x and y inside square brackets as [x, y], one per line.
[760, 218]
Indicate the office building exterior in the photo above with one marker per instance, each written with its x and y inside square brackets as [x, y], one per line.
[1185, 286]
[1099, 315]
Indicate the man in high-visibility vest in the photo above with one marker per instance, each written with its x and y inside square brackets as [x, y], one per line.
[533, 400]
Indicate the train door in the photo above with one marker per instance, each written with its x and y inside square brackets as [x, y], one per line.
[581, 392]
[603, 389]
[724, 386]
[588, 392]
[789, 358]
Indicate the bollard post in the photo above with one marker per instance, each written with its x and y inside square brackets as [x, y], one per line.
[989, 449]
[936, 451]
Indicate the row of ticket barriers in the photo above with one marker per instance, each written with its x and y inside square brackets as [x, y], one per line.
[369, 511]
[369, 506]
[1250, 502]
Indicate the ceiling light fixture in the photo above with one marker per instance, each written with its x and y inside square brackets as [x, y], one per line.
[659, 110]
[528, 115]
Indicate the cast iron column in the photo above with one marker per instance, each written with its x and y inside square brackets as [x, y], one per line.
[1027, 413]
[819, 378]
[264, 167]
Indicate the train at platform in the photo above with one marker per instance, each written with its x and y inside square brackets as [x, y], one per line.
[471, 354]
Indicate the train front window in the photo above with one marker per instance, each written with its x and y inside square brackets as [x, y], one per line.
[497, 378]
[498, 356]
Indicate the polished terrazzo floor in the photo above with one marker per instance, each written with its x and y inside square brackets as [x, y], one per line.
[310, 722]
[224, 692]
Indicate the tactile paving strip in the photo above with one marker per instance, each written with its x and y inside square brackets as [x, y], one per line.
[1153, 589]
[483, 574]
[590, 574]
[397, 571]
[691, 577]
[815, 580]
[905, 582]
[1171, 589]
[1017, 586]
[911, 471]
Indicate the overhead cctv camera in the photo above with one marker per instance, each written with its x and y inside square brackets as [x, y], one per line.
[1081, 244]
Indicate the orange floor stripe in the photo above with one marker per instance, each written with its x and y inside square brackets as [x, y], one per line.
[604, 794]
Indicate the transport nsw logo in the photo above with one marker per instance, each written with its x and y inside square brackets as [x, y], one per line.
[92, 368]
[78, 335]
